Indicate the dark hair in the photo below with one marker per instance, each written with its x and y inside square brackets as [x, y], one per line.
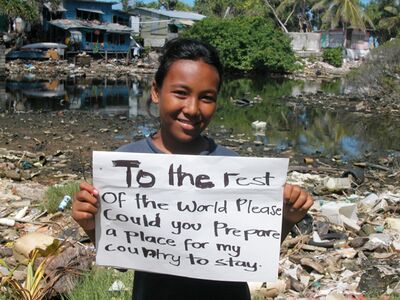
[185, 48]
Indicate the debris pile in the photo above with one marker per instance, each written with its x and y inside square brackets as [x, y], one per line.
[83, 67]
[347, 247]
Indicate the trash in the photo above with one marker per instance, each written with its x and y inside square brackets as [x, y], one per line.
[393, 223]
[341, 213]
[64, 202]
[267, 289]
[309, 262]
[21, 213]
[337, 184]
[308, 160]
[75, 260]
[31, 241]
[7, 222]
[117, 286]
[259, 125]
[356, 174]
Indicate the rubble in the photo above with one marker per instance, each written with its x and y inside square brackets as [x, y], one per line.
[348, 245]
[82, 66]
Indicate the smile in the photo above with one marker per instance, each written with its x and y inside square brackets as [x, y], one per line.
[188, 124]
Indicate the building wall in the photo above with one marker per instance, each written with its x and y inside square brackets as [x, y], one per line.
[305, 41]
[106, 8]
[154, 33]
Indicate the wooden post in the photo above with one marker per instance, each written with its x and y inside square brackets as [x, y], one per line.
[106, 57]
[2, 62]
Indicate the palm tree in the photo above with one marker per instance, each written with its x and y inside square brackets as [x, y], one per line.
[299, 6]
[344, 12]
[393, 21]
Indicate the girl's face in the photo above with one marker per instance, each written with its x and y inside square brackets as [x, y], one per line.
[187, 100]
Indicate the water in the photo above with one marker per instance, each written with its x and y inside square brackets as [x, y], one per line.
[306, 130]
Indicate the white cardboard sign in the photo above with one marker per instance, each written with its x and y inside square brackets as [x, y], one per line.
[208, 217]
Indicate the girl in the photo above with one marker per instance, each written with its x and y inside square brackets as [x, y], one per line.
[185, 89]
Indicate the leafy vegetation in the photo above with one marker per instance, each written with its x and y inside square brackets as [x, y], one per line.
[381, 72]
[36, 286]
[246, 44]
[385, 14]
[96, 283]
[333, 56]
[168, 4]
[54, 195]
[26, 9]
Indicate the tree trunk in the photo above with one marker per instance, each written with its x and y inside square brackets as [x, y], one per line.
[276, 16]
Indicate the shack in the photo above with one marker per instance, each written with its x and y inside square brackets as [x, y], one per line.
[158, 26]
[89, 25]
[358, 43]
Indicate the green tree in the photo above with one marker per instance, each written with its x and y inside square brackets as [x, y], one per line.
[246, 44]
[27, 10]
[391, 23]
[125, 5]
[299, 9]
[385, 14]
[233, 8]
[170, 5]
[342, 12]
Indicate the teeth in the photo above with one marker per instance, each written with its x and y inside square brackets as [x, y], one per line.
[187, 122]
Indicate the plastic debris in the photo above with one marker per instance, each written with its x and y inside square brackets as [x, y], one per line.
[117, 286]
[64, 202]
[31, 241]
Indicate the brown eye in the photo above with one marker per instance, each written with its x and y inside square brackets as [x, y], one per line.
[208, 99]
[180, 93]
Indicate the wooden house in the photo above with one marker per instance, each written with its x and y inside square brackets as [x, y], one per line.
[158, 25]
[89, 25]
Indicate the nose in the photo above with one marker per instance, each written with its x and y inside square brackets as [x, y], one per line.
[191, 107]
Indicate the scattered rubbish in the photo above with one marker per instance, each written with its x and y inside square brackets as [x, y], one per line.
[341, 213]
[337, 184]
[64, 202]
[393, 223]
[33, 241]
[117, 286]
[7, 222]
[259, 125]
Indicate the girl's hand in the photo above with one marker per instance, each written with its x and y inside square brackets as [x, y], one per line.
[84, 207]
[296, 203]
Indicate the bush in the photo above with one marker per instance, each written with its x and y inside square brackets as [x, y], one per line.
[333, 56]
[246, 44]
[380, 73]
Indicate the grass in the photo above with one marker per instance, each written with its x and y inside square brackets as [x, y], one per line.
[374, 295]
[96, 283]
[56, 193]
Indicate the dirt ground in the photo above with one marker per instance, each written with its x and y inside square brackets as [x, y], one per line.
[73, 134]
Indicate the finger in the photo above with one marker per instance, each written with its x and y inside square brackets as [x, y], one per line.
[309, 203]
[84, 186]
[86, 207]
[287, 190]
[80, 216]
[85, 196]
[301, 200]
[294, 195]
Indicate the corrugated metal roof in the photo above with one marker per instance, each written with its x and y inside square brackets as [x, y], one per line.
[91, 10]
[176, 14]
[80, 24]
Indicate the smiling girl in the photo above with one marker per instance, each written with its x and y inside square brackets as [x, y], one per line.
[185, 88]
